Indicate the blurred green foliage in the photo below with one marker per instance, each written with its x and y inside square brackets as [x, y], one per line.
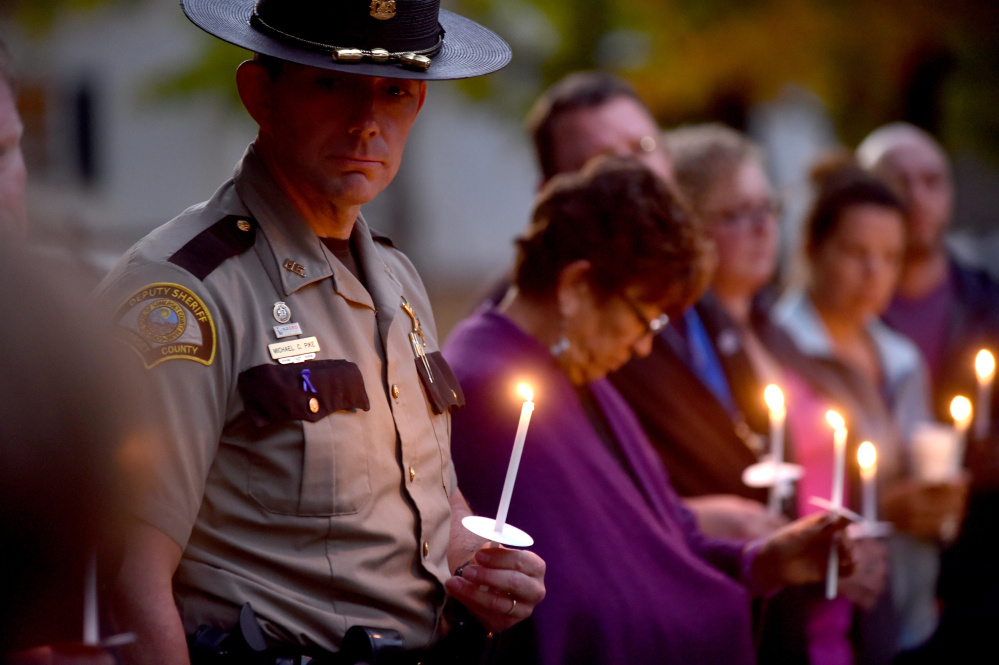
[933, 62]
[38, 15]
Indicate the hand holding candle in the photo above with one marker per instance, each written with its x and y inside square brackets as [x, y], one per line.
[839, 472]
[985, 369]
[778, 414]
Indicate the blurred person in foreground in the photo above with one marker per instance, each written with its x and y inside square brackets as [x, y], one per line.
[307, 505]
[71, 444]
[13, 175]
[723, 177]
[854, 243]
[951, 311]
[704, 445]
[608, 255]
[71, 451]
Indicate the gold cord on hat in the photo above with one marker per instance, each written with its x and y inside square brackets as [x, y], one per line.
[418, 60]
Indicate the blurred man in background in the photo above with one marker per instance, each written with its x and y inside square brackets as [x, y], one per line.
[950, 311]
[594, 113]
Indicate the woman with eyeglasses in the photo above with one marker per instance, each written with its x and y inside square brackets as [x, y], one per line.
[722, 174]
[629, 577]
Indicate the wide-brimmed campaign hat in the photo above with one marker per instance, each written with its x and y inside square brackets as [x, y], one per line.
[393, 38]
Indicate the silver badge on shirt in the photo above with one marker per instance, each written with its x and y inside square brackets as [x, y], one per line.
[281, 311]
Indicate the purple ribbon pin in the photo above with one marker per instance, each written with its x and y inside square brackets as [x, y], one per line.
[306, 382]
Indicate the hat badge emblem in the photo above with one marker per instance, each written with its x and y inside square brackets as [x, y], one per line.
[382, 9]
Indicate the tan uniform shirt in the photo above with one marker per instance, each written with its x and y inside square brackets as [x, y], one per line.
[315, 489]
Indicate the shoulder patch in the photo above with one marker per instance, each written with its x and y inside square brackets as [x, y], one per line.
[165, 321]
[378, 236]
[224, 239]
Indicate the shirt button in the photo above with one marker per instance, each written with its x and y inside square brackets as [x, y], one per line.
[412, 474]
[426, 549]
[314, 405]
[395, 390]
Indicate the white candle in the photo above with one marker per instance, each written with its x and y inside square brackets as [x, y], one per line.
[839, 463]
[518, 449]
[961, 411]
[867, 457]
[778, 414]
[839, 472]
[91, 620]
[985, 369]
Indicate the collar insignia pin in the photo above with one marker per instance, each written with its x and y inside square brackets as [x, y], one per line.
[295, 267]
[382, 9]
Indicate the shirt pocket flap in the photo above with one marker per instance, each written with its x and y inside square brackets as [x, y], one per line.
[302, 391]
[443, 390]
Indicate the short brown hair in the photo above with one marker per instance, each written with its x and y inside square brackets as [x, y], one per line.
[579, 90]
[842, 184]
[705, 153]
[624, 220]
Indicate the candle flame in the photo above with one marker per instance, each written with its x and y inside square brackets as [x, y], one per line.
[525, 391]
[774, 398]
[867, 455]
[960, 409]
[835, 420]
[985, 365]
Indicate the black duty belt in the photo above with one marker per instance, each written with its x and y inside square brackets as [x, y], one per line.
[466, 644]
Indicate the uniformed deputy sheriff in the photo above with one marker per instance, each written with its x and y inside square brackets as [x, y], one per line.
[306, 486]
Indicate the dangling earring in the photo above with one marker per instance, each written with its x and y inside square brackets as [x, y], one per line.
[559, 347]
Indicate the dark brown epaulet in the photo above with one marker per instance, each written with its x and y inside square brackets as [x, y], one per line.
[222, 240]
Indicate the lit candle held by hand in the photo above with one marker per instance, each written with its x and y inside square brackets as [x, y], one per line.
[839, 472]
[778, 415]
[518, 449]
[985, 369]
[839, 456]
[867, 457]
[497, 530]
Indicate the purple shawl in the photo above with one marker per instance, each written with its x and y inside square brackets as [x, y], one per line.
[629, 577]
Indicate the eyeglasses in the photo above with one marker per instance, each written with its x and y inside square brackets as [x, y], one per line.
[746, 216]
[651, 327]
